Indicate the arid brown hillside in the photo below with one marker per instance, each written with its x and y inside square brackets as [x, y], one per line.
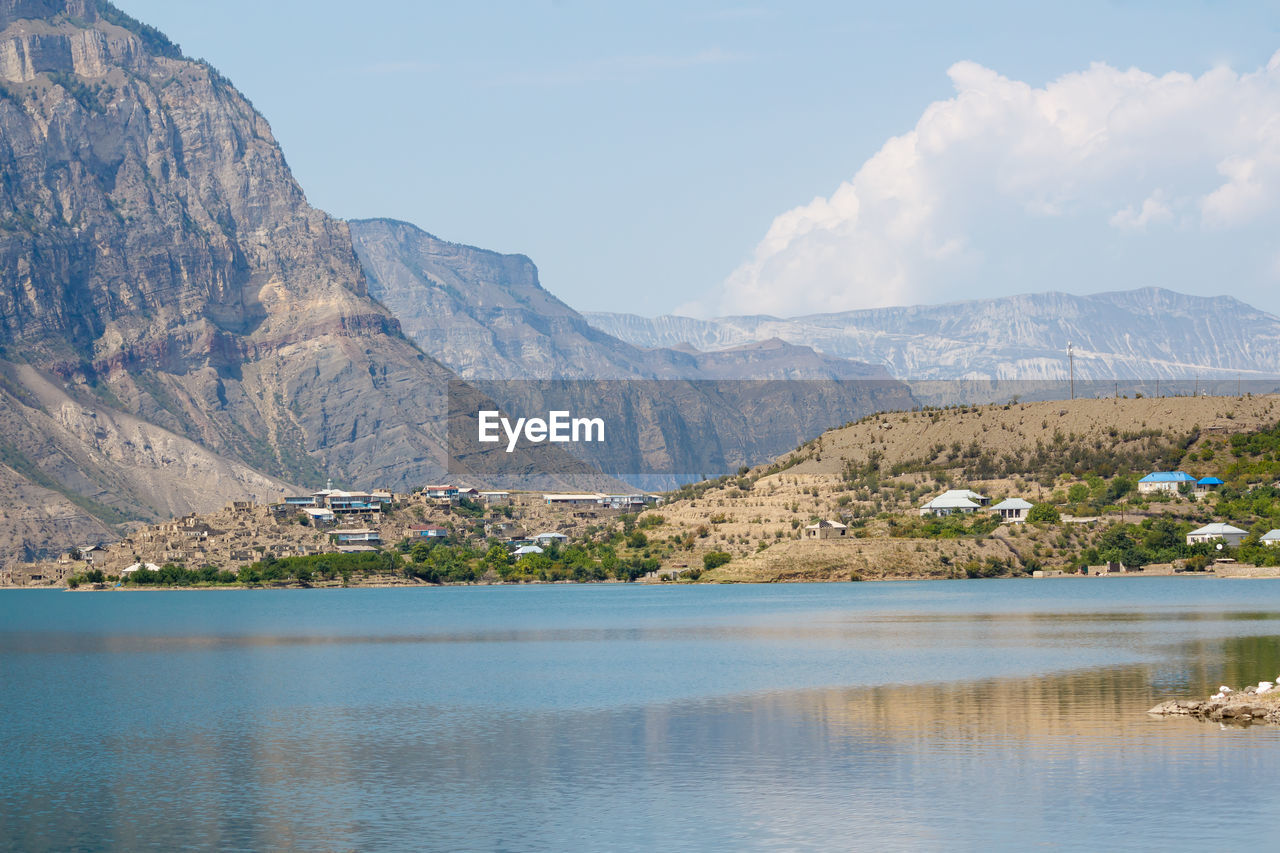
[873, 474]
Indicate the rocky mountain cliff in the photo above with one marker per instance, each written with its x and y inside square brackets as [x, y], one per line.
[487, 316]
[161, 270]
[1140, 334]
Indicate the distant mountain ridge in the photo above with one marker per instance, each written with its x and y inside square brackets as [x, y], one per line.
[486, 315]
[1150, 333]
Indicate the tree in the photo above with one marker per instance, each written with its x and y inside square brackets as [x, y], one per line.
[1116, 545]
[715, 559]
[1046, 513]
[420, 551]
[497, 556]
[1161, 534]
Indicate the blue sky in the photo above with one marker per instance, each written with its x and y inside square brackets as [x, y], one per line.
[657, 156]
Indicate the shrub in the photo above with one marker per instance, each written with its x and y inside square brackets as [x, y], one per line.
[1046, 513]
[715, 559]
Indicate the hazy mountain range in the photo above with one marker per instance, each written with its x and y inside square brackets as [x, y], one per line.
[1139, 334]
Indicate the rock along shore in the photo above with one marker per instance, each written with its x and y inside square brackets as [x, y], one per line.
[1256, 704]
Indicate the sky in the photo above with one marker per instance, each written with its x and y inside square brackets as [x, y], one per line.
[785, 158]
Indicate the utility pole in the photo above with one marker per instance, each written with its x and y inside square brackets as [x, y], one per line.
[1071, 362]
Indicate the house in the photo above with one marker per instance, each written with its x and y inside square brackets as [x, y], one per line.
[573, 500]
[525, 550]
[825, 529]
[356, 535]
[1271, 538]
[1232, 536]
[319, 514]
[954, 501]
[504, 530]
[630, 503]
[1165, 481]
[551, 538]
[1013, 510]
[441, 492]
[352, 503]
[495, 498]
[1207, 484]
[427, 531]
[301, 500]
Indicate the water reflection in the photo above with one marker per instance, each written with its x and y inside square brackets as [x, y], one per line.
[941, 765]
[971, 729]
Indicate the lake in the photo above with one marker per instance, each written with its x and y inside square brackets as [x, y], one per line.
[914, 715]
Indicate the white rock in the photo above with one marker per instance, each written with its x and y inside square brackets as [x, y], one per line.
[1225, 689]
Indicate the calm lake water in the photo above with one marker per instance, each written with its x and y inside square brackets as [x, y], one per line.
[929, 715]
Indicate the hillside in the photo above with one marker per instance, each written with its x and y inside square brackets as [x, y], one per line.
[873, 475]
[1144, 334]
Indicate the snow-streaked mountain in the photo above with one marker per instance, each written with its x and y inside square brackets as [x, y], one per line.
[1149, 333]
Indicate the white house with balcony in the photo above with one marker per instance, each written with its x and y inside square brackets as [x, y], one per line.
[1013, 510]
[1226, 533]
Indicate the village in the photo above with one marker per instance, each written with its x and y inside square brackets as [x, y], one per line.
[838, 508]
[337, 521]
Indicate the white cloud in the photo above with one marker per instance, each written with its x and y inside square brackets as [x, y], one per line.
[1153, 211]
[987, 191]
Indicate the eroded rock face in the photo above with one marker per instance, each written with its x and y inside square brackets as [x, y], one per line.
[157, 259]
[487, 317]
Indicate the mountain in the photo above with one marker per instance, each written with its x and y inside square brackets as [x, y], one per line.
[486, 315]
[178, 326]
[682, 412]
[1141, 334]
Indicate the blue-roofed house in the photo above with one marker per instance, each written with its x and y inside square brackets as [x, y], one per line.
[1165, 481]
[1207, 484]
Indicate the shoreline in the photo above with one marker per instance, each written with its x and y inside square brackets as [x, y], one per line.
[406, 584]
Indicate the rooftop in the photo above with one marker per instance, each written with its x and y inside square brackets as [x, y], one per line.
[1168, 477]
[951, 501]
[1216, 529]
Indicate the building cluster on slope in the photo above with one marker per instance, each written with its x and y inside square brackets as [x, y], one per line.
[335, 521]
